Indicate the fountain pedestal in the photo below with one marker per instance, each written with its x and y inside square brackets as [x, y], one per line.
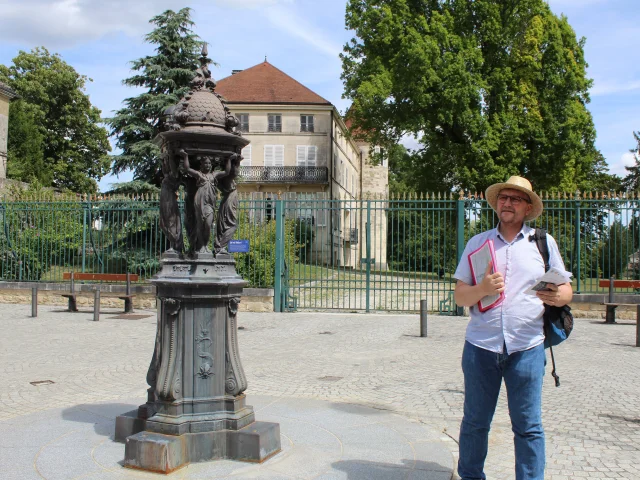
[196, 408]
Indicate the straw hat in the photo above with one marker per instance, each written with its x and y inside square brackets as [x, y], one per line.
[515, 183]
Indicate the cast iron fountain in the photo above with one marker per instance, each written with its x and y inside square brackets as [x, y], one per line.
[196, 407]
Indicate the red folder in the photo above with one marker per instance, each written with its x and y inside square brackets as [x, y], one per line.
[479, 257]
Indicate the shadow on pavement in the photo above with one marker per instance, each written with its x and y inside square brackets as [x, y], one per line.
[101, 415]
[368, 409]
[365, 470]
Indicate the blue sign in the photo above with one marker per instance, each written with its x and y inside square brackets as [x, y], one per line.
[238, 246]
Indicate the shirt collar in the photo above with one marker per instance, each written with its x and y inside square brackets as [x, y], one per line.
[524, 232]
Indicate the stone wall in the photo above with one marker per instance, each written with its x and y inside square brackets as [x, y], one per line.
[5, 183]
[253, 299]
[375, 181]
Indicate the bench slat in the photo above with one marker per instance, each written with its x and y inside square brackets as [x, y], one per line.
[621, 283]
[109, 277]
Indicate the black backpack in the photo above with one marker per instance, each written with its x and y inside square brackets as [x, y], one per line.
[558, 321]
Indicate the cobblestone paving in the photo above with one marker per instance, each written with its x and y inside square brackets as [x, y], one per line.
[592, 421]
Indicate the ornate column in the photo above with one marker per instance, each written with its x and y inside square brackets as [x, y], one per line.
[196, 408]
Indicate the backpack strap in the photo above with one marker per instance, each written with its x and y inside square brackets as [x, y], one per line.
[540, 237]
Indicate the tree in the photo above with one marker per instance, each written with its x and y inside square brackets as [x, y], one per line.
[54, 116]
[632, 180]
[490, 88]
[166, 77]
[25, 147]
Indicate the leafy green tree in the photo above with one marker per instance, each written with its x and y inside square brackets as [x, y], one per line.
[490, 88]
[165, 76]
[54, 112]
[25, 147]
[135, 187]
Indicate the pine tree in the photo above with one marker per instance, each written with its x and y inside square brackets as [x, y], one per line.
[632, 180]
[166, 76]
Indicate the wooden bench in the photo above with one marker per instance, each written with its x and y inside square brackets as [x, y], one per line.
[100, 277]
[611, 304]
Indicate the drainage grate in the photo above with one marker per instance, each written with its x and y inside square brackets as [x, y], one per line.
[41, 382]
[329, 378]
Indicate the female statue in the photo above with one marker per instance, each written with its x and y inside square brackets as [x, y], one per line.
[227, 221]
[204, 200]
[170, 222]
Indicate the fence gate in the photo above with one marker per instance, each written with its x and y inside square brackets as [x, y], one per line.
[365, 255]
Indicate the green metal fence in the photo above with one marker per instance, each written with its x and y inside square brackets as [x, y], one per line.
[319, 253]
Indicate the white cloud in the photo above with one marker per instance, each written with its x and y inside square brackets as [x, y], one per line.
[288, 21]
[410, 142]
[63, 23]
[627, 159]
[604, 88]
[252, 3]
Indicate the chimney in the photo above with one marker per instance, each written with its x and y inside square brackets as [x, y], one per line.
[233, 72]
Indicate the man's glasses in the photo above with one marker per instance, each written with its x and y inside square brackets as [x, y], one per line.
[515, 200]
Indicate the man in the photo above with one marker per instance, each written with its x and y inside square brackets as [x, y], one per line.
[507, 341]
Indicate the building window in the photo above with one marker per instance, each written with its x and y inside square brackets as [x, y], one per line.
[275, 122]
[246, 153]
[306, 123]
[307, 156]
[243, 118]
[274, 155]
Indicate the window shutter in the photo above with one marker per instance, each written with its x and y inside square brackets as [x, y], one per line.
[278, 155]
[246, 153]
[269, 160]
[311, 156]
[301, 154]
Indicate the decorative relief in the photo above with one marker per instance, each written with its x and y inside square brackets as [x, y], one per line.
[169, 372]
[206, 368]
[235, 379]
[181, 269]
[172, 305]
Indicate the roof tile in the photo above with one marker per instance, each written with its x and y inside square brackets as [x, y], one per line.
[264, 83]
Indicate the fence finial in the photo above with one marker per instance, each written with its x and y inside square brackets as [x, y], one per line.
[461, 196]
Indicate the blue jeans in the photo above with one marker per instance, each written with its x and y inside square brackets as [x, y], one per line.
[483, 373]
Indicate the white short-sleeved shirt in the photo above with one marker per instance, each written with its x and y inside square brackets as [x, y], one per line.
[517, 321]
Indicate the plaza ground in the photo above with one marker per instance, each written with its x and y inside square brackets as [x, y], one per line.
[353, 364]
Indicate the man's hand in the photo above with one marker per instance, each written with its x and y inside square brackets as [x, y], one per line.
[553, 296]
[492, 283]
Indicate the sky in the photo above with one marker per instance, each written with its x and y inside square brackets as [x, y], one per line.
[303, 38]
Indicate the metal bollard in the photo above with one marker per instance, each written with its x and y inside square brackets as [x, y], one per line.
[611, 297]
[96, 305]
[34, 301]
[423, 318]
